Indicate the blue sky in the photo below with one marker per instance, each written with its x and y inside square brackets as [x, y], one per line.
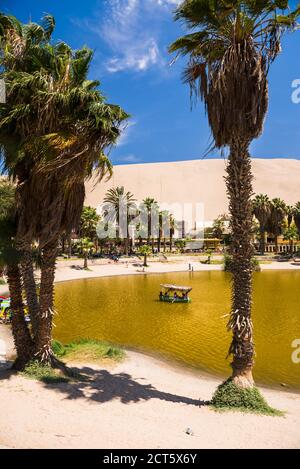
[130, 39]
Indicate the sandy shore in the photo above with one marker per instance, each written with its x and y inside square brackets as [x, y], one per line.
[72, 270]
[139, 403]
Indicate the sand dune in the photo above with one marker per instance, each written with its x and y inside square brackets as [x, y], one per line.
[199, 181]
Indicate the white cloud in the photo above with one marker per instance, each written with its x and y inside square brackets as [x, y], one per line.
[130, 29]
[124, 29]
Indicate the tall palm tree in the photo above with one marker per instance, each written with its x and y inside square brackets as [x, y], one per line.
[151, 205]
[296, 213]
[277, 217]
[163, 228]
[262, 212]
[289, 214]
[88, 224]
[117, 207]
[230, 48]
[291, 234]
[54, 128]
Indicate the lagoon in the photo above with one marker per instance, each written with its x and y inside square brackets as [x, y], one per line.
[125, 310]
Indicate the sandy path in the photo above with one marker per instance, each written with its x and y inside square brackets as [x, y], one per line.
[140, 403]
[67, 273]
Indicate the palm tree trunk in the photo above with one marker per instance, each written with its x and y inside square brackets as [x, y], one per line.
[262, 241]
[158, 243]
[29, 284]
[85, 265]
[126, 246]
[70, 246]
[171, 242]
[63, 243]
[149, 229]
[239, 189]
[43, 342]
[276, 244]
[21, 334]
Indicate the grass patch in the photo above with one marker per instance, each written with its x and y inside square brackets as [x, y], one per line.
[87, 350]
[44, 373]
[229, 396]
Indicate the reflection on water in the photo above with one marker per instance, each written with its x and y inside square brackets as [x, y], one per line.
[125, 310]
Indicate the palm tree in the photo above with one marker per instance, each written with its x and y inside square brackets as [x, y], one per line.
[50, 143]
[151, 205]
[117, 207]
[9, 259]
[88, 224]
[291, 234]
[289, 214]
[262, 212]
[230, 47]
[296, 213]
[218, 228]
[86, 246]
[145, 251]
[277, 217]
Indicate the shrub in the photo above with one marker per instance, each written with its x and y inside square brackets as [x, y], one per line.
[229, 396]
[44, 373]
[227, 263]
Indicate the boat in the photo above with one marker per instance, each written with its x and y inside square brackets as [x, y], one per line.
[175, 294]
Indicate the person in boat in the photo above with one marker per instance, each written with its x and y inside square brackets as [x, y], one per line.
[161, 296]
[175, 296]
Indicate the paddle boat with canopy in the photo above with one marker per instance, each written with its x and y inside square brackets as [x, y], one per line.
[175, 294]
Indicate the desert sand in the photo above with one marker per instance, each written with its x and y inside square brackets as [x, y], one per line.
[142, 402]
[198, 181]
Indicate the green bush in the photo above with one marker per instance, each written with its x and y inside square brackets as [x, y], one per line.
[229, 396]
[227, 263]
[58, 348]
[44, 373]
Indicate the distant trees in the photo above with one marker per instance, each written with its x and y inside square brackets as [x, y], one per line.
[276, 218]
[262, 212]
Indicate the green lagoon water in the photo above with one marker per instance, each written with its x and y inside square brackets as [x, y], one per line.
[125, 310]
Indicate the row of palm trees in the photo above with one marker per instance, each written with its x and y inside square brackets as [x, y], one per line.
[54, 129]
[148, 212]
[277, 218]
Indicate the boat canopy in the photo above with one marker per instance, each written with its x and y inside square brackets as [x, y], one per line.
[176, 288]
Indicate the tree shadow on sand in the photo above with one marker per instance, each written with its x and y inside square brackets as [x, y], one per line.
[102, 386]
